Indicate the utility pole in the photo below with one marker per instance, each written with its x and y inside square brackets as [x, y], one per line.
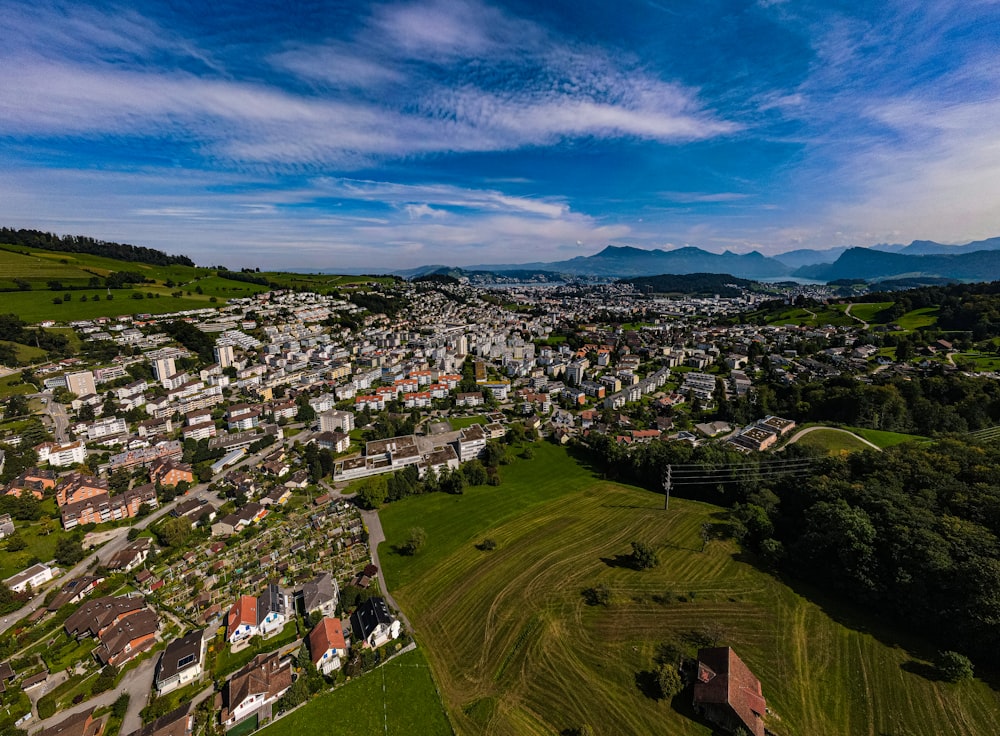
[667, 483]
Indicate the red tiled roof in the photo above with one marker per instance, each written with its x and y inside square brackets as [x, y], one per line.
[244, 611]
[724, 680]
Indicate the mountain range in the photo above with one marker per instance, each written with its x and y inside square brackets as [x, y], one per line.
[979, 260]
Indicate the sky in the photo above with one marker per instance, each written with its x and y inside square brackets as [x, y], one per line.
[380, 136]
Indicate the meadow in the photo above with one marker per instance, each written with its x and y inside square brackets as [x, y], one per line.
[516, 648]
[397, 698]
[832, 441]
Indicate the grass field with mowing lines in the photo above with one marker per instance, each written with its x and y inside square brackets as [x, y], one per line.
[832, 442]
[396, 698]
[885, 439]
[516, 650]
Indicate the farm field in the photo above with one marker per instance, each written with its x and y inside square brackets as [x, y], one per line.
[396, 698]
[516, 649]
[814, 316]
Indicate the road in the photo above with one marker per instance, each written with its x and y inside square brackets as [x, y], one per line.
[375, 537]
[57, 413]
[136, 683]
[803, 432]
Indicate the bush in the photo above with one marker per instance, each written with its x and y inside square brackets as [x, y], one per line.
[644, 556]
[669, 680]
[599, 595]
[487, 545]
[414, 541]
[46, 707]
[953, 667]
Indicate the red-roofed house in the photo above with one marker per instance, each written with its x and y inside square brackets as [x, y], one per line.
[242, 621]
[327, 645]
[727, 693]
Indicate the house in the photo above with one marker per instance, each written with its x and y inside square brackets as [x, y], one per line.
[372, 624]
[77, 487]
[241, 622]
[321, 594]
[178, 722]
[99, 614]
[180, 662]
[32, 577]
[75, 591]
[273, 610]
[72, 453]
[327, 645]
[33, 481]
[260, 683]
[79, 724]
[334, 441]
[727, 693]
[249, 514]
[170, 472]
[128, 638]
[277, 497]
[126, 560]
[6, 526]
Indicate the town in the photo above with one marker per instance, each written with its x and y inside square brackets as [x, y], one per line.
[213, 476]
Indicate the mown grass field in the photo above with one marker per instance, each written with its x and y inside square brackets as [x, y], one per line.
[396, 698]
[832, 441]
[886, 439]
[867, 311]
[37, 306]
[515, 648]
[918, 318]
[813, 316]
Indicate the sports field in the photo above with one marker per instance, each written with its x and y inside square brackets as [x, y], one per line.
[516, 649]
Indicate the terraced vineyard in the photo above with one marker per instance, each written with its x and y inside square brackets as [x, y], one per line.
[516, 649]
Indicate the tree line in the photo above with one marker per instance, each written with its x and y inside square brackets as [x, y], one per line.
[92, 246]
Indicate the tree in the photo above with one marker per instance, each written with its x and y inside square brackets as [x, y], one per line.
[15, 543]
[373, 491]
[599, 595]
[953, 667]
[68, 551]
[644, 556]
[414, 541]
[120, 707]
[174, 532]
[669, 680]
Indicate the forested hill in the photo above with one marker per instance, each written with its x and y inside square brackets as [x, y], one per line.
[973, 308]
[690, 283]
[84, 244]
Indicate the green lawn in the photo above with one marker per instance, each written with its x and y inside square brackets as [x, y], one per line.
[463, 422]
[832, 441]
[226, 663]
[886, 439]
[918, 318]
[12, 384]
[40, 547]
[813, 316]
[397, 698]
[515, 648]
[868, 310]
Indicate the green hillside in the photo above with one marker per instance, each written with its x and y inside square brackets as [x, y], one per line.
[517, 649]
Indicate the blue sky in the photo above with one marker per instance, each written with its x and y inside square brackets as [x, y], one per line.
[350, 135]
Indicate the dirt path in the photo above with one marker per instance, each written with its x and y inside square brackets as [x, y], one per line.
[803, 432]
[848, 313]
